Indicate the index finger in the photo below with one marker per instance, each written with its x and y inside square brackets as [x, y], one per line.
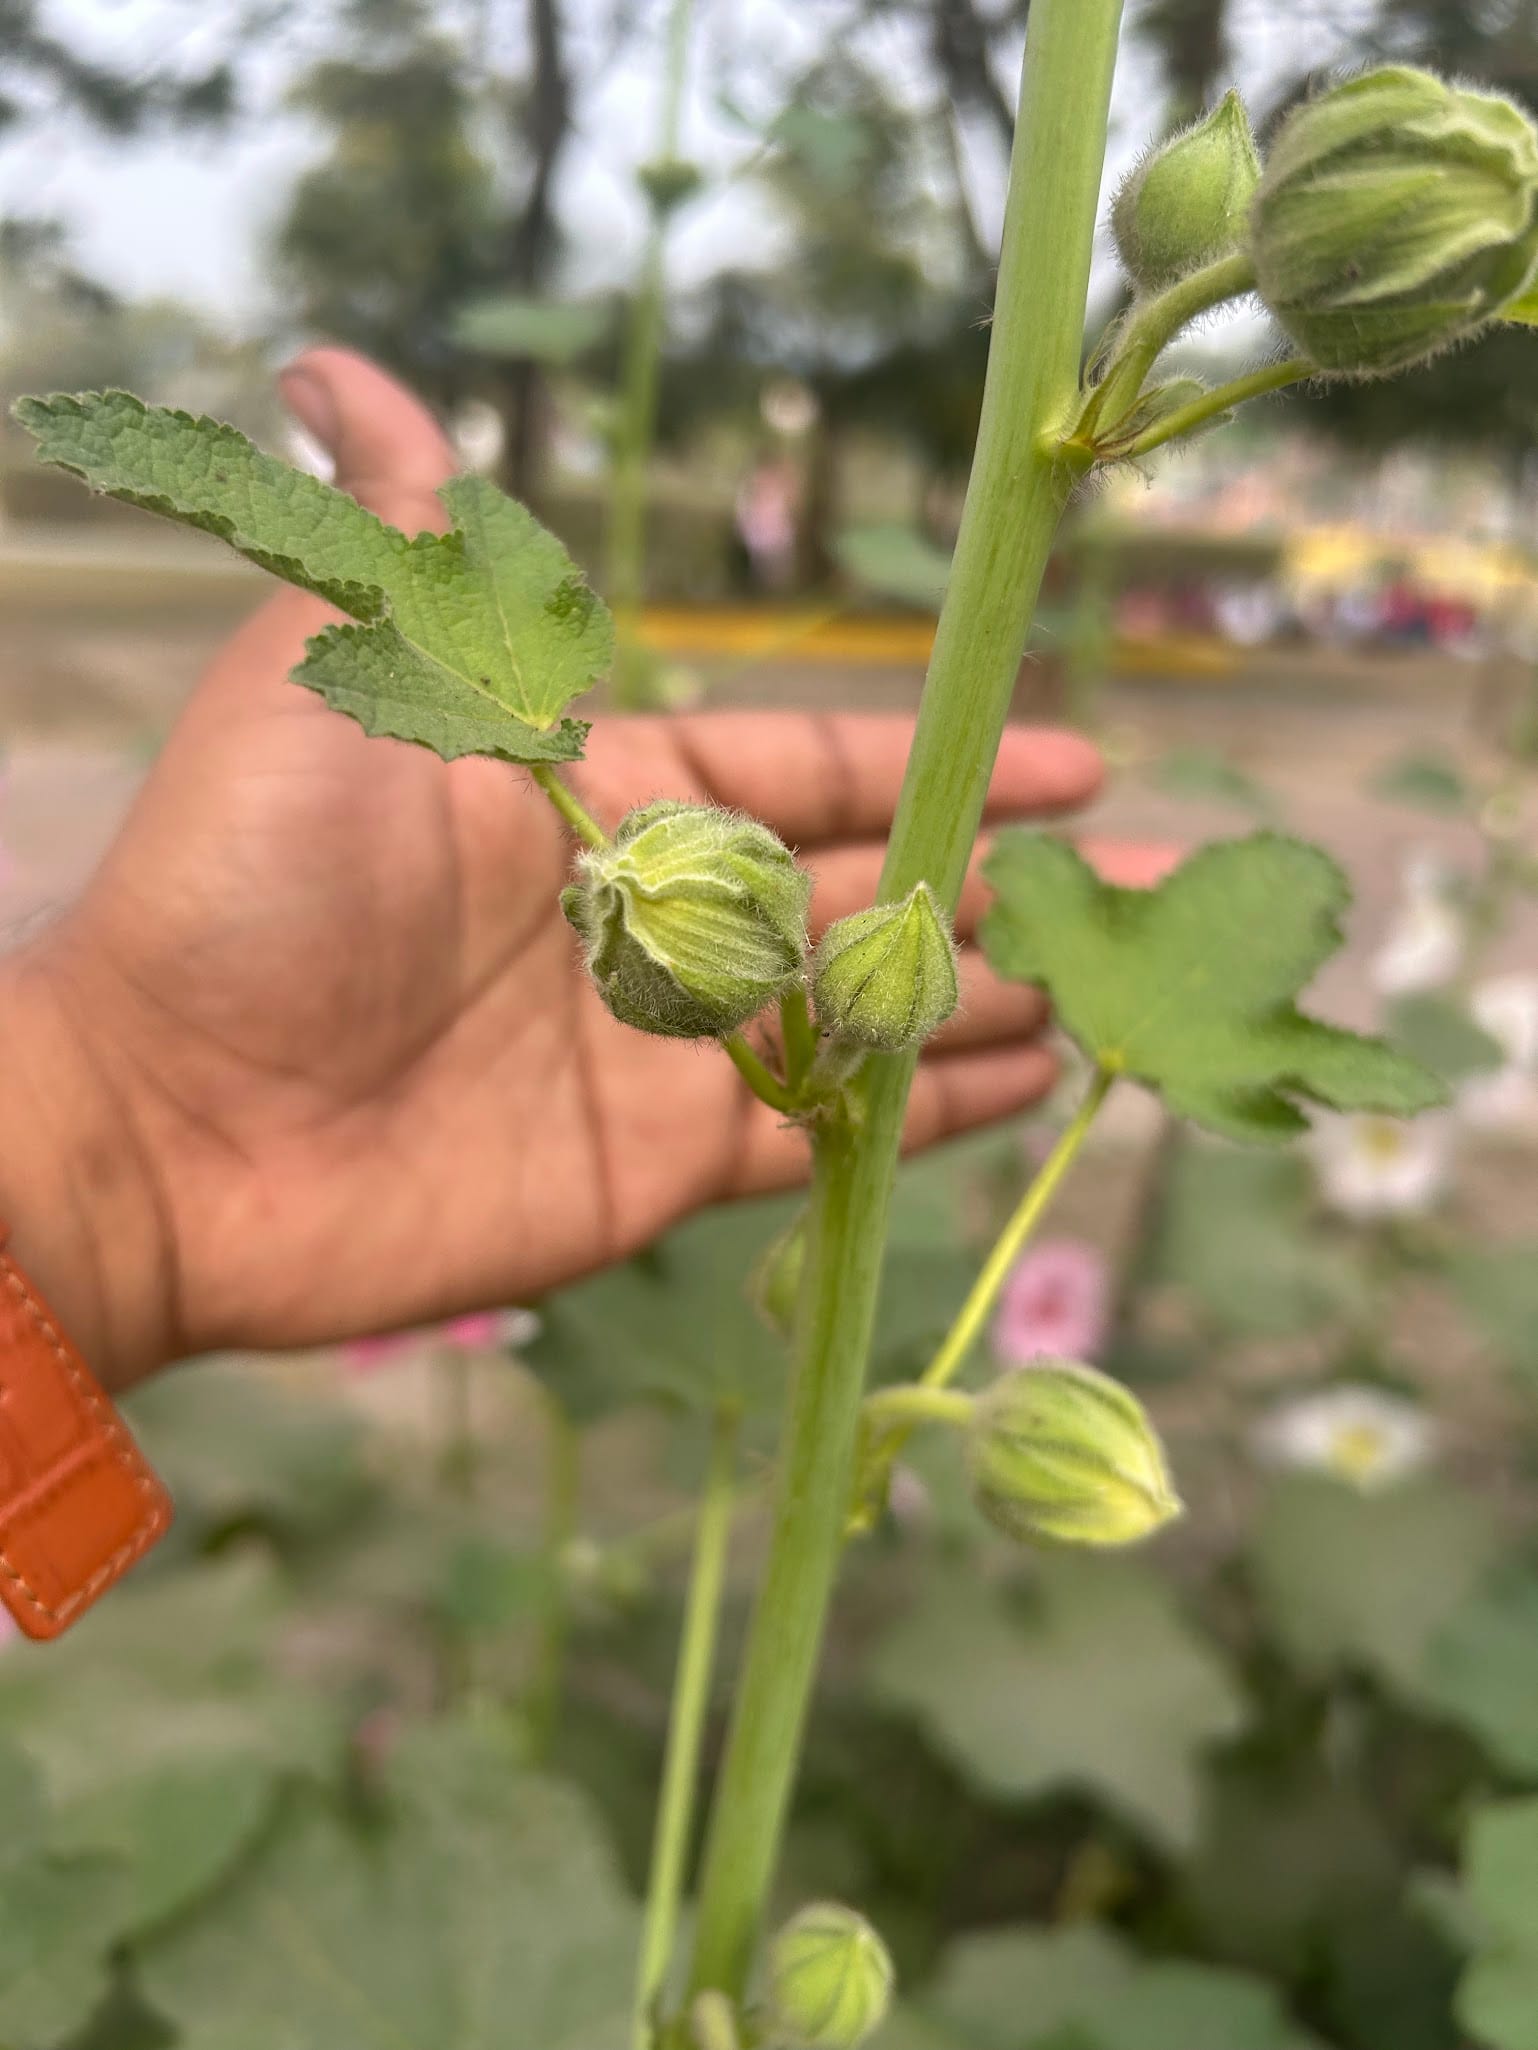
[822, 777]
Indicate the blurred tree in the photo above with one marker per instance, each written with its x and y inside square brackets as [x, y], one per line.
[399, 221]
[1190, 40]
[44, 74]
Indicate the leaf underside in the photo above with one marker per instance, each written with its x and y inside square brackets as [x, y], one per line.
[1191, 987]
[470, 642]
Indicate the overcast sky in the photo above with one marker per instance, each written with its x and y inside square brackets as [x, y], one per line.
[189, 215]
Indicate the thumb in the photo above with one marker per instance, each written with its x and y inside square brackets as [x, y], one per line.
[389, 452]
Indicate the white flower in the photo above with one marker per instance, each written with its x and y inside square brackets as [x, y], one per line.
[1358, 1434]
[1382, 1167]
[1424, 945]
[1505, 1006]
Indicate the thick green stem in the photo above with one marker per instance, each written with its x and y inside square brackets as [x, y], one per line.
[1020, 484]
[686, 1726]
[638, 391]
[1186, 419]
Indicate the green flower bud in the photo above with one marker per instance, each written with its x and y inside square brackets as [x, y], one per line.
[774, 1285]
[887, 977]
[692, 920]
[668, 182]
[1397, 214]
[1060, 1454]
[830, 1980]
[1188, 201]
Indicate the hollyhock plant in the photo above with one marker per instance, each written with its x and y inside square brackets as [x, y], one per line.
[1359, 1434]
[1505, 1098]
[1374, 1167]
[1054, 1305]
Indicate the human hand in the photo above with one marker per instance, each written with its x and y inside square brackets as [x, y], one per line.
[314, 1055]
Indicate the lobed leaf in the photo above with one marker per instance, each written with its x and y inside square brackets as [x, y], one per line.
[1191, 987]
[471, 642]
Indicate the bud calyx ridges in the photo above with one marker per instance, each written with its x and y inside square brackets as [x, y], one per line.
[1059, 1453]
[692, 919]
[886, 977]
[1397, 214]
[830, 1980]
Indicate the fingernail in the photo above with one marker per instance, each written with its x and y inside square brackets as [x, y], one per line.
[309, 399]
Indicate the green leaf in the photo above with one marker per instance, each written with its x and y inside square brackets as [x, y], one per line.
[1498, 1289]
[472, 642]
[1094, 1683]
[1440, 1034]
[1523, 310]
[510, 324]
[1190, 987]
[59, 1916]
[674, 1325]
[1012, 1988]
[482, 1913]
[894, 562]
[1498, 1995]
[1036, 1989]
[1481, 1671]
[175, 1829]
[1204, 775]
[239, 1450]
[1234, 1230]
[1429, 780]
[1367, 1581]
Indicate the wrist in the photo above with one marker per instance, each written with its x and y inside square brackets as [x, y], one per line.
[77, 1182]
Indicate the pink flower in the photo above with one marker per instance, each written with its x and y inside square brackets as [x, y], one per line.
[479, 1331]
[1054, 1305]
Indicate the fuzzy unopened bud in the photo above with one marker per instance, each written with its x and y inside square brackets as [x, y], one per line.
[692, 920]
[830, 1980]
[886, 977]
[1188, 202]
[774, 1284]
[1059, 1453]
[1397, 214]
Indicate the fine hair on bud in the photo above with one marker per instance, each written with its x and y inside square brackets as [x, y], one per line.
[1397, 215]
[1187, 203]
[886, 978]
[830, 1980]
[1059, 1453]
[692, 919]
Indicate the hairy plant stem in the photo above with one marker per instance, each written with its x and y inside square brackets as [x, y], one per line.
[686, 1725]
[1020, 483]
[964, 1333]
[800, 1036]
[1211, 405]
[576, 815]
[1148, 330]
[913, 1403]
[756, 1073]
[638, 393]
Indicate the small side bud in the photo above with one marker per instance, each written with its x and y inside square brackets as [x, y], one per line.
[1154, 406]
[886, 977]
[692, 920]
[1397, 214]
[1187, 203]
[774, 1284]
[1061, 1454]
[830, 1980]
[668, 182]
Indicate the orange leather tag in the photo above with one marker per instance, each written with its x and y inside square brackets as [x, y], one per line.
[79, 1503]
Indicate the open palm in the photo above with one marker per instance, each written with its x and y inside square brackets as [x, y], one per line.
[328, 982]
